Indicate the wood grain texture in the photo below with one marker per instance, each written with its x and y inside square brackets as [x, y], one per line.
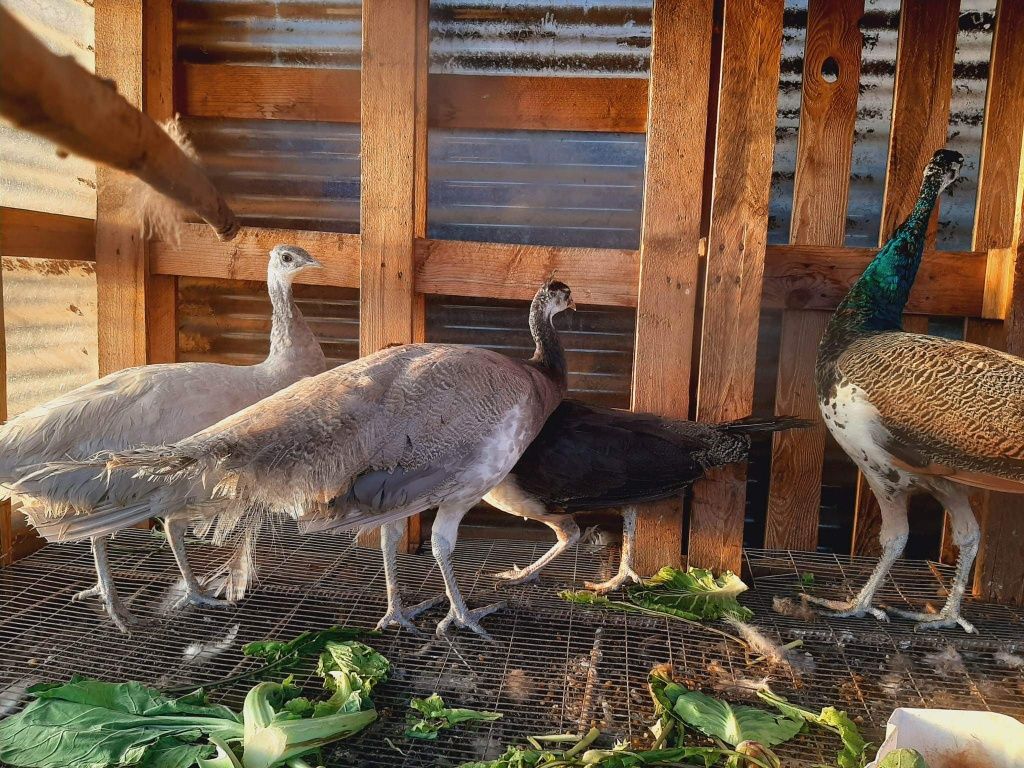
[998, 569]
[121, 269]
[669, 242]
[828, 112]
[921, 96]
[270, 93]
[392, 115]
[751, 39]
[6, 524]
[158, 94]
[200, 254]
[794, 498]
[38, 235]
[818, 277]
[485, 102]
[603, 276]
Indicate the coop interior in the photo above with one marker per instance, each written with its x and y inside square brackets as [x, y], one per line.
[708, 176]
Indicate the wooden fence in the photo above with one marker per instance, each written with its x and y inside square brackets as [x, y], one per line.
[703, 270]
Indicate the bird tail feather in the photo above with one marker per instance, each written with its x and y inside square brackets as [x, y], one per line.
[755, 425]
[85, 526]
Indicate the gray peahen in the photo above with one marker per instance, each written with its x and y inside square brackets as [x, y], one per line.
[918, 413]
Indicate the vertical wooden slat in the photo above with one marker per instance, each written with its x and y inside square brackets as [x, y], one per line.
[669, 240]
[158, 93]
[920, 118]
[828, 112]
[999, 569]
[121, 268]
[751, 40]
[392, 112]
[6, 526]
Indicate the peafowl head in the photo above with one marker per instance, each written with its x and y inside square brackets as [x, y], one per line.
[943, 169]
[552, 298]
[286, 261]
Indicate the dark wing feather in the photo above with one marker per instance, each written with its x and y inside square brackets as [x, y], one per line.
[589, 458]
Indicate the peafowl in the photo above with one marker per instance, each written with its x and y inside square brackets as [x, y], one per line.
[67, 501]
[917, 413]
[589, 458]
[384, 437]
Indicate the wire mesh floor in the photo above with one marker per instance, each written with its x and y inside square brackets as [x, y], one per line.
[552, 668]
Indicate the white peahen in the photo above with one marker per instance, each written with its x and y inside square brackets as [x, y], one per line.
[142, 406]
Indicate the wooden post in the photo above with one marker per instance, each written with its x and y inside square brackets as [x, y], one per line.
[828, 113]
[669, 241]
[999, 568]
[158, 94]
[393, 112]
[6, 524]
[752, 41]
[920, 117]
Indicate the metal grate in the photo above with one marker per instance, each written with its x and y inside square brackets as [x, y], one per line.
[553, 667]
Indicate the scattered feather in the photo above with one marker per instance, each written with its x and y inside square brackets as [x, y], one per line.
[760, 644]
[201, 652]
[1009, 660]
[12, 696]
[946, 663]
[785, 606]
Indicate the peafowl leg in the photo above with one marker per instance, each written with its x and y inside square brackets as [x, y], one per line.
[893, 537]
[390, 535]
[442, 542]
[626, 573]
[567, 533]
[966, 535]
[105, 588]
[176, 526]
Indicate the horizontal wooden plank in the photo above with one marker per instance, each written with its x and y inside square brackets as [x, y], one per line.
[817, 277]
[201, 254]
[457, 268]
[270, 93]
[38, 235]
[456, 101]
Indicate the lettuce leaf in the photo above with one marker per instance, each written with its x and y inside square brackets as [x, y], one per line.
[854, 751]
[435, 717]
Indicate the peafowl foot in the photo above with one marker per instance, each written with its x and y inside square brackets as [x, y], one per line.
[465, 619]
[846, 609]
[111, 604]
[620, 579]
[402, 617]
[517, 575]
[941, 620]
[198, 596]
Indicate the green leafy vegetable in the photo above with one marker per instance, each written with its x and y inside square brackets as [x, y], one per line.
[113, 724]
[854, 751]
[350, 671]
[693, 595]
[733, 723]
[903, 758]
[434, 717]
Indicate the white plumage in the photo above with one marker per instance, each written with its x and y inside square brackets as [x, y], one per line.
[142, 406]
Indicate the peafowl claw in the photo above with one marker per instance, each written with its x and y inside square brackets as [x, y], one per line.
[846, 609]
[517, 575]
[942, 620]
[464, 619]
[111, 604]
[624, 576]
[197, 596]
[402, 617]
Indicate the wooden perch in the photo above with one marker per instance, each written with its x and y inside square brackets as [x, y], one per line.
[54, 97]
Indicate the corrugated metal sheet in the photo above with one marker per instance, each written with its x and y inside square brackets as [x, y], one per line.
[228, 321]
[50, 323]
[31, 174]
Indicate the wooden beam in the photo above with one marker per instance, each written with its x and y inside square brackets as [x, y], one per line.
[38, 235]
[200, 254]
[828, 112]
[6, 524]
[999, 568]
[484, 102]
[158, 96]
[752, 40]
[601, 276]
[121, 268]
[670, 242]
[391, 57]
[920, 118]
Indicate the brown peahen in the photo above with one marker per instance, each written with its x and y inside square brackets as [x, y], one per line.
[917, 413]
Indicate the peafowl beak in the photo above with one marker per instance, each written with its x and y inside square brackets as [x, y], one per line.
[315, 263]
[571, 305]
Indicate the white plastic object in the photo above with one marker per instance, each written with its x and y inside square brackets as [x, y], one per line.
[949, 737]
